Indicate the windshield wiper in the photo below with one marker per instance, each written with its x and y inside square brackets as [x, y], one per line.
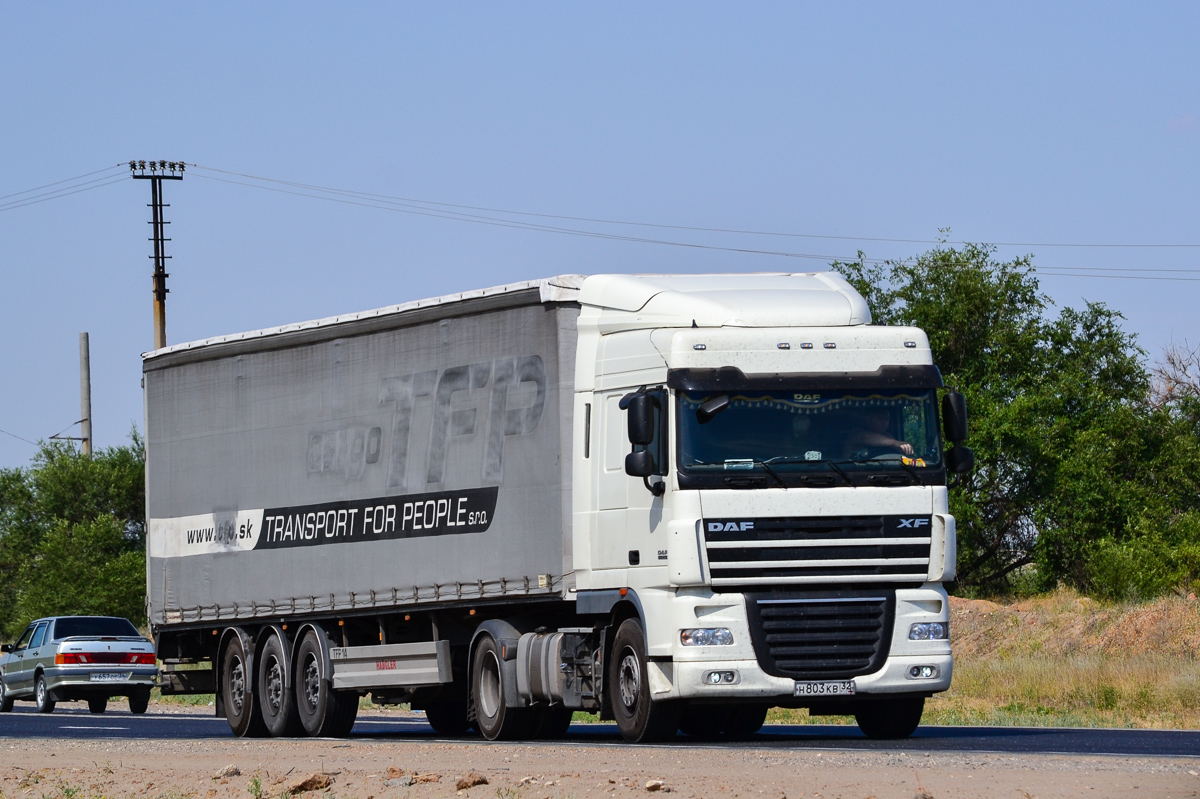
[799, 459]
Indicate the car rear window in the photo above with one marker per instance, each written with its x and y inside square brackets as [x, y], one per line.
[93, 626]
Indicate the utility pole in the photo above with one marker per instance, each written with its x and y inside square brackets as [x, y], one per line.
[85, 393]
[158, 172]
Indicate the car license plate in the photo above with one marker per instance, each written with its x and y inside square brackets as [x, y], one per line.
[109, 676]
[832, 688]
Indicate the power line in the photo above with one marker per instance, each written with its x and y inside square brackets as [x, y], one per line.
[64, 192]
[21, 438]
[368, 195]
[415, 207]
[64, 180]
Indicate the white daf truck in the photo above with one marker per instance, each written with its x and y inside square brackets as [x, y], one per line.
[677, 500]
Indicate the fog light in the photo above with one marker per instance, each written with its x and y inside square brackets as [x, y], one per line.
[720, 677]
[706, 636]
[932, 631]
[922, 672]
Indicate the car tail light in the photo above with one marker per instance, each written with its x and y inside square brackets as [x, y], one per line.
[68, 658]
[144, 658]
[84, 658]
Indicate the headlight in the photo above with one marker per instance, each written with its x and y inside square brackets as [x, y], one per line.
[932, 631]
[706, 636]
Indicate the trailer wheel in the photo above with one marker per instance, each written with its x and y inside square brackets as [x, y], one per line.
[323, 711]
[278, 704]
[890, 718]
[493, 718]
[638, 716]
[241, 710]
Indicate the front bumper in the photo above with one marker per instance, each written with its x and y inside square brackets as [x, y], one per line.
[687, 680]
[677, 672]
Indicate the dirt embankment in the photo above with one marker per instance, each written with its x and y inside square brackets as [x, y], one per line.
[1065, 623]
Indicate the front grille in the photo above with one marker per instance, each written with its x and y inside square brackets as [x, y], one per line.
[818, 550]
[820, 636]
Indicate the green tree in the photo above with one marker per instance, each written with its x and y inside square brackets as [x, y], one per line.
[72, 534]
[1078, 470]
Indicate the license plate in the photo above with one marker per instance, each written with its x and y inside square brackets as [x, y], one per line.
[109, 676]
[834, 688]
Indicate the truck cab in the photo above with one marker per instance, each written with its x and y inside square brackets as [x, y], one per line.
[763, 473]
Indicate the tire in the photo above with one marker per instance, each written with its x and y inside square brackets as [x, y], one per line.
[6, 701]
[493, 718]
[139, 701]
[744, 721]
[638, 716]
[706, 722]
[97, 704]
[322, 711]
[241, 710]
[890, 718]
[41, 696]
[551, 722]
[276, 703]
[448, 718]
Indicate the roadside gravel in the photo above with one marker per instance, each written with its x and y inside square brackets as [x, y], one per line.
[383, 769]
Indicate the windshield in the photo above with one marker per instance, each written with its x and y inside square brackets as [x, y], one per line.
[93, 626]
[808, 431]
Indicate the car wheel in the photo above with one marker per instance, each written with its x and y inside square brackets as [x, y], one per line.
[277, 703]
[236, 692]
[139, 701]
[890, 718]
[323, 711]
[41, 696]
[6, 701]
[638, 716]
[97, 704]
[494, 719]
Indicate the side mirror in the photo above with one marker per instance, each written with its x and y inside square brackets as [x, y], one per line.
[6, 647]
[960, 460]
[711, 407]
[954, 417]
[640, 417]
[639, 464]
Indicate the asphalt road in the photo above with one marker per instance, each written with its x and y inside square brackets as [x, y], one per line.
[69, 722]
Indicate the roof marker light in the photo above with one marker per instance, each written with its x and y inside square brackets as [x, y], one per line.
[783, 345]
[910, 344]
[829, 345]
[699, 346]
[806, 345]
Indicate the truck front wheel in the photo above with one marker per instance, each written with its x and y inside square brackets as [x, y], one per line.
[638, 716]
[890, 718]
[323, 711]
[493, 718]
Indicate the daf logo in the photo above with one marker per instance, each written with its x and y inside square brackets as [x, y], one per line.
[730, 527]
[914, 523]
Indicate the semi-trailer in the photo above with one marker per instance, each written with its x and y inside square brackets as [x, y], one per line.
[677, 500]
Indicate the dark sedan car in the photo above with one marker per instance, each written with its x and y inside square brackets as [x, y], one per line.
[66, 658]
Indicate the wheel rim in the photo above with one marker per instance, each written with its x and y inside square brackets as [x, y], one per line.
[489, 685]
[237, 686]
[41, 692]
[629, 680]
[312, 682]
[274, 685]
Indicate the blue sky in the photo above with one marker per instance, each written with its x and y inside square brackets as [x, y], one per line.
[1032, 123]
